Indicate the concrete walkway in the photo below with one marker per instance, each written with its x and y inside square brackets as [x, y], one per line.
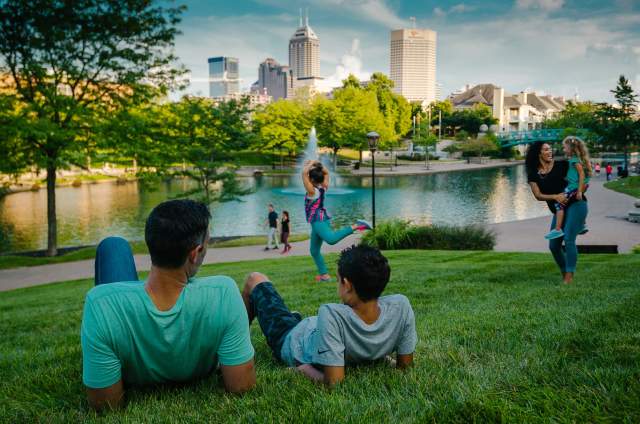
[607, 210]
[36, 275]
[606, 221]
[418, 168]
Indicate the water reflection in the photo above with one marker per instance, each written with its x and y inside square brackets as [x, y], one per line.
[89, 213]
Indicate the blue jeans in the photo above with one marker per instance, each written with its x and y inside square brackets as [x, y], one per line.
[574, 218]
[114, 262]
[321, 232]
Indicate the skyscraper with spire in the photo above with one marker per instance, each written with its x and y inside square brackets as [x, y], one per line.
[304, 56]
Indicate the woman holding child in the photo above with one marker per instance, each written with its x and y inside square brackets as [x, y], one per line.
[547, 179]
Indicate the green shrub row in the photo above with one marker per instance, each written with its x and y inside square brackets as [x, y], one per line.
[398, 234]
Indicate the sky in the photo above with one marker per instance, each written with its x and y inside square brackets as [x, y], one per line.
[558, 47]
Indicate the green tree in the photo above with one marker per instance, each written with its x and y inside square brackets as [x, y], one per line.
[206, 135]
[361, 114]
[477, 146]
[330, 124]
[282, 125]
[71, 62]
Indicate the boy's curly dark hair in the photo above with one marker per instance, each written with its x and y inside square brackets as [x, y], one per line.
[366, 268]
[316, 174]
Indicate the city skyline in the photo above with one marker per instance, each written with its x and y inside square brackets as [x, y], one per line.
[553, 46]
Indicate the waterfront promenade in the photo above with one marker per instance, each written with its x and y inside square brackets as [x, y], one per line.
[607, 210]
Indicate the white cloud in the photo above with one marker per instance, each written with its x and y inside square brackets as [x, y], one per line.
[546, 5]
[458, 8]
[351, 63]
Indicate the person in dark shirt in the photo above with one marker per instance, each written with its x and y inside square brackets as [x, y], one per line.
[272, 220]
[547, 179]
[284, 232]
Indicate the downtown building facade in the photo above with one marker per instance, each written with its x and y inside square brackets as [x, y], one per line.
[273, 79]
[224, 76]
[304, 58]
[413, 64]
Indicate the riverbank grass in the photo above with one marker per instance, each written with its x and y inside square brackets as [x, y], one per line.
[138, 247]
[500, 339]
[629, 185]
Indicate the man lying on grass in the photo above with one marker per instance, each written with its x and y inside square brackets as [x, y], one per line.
[171, 328]
[366, 327]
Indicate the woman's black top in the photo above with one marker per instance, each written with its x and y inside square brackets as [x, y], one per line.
[285, 225]
[553, 182]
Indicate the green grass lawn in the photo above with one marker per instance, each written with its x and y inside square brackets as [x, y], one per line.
[138, 247]
[629, 185]
[499, 340]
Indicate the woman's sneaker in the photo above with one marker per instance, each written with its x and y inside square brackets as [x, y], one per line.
[362, 225]
[554, 234]
[584, 230]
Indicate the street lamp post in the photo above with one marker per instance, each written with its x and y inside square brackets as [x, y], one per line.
[372, 138]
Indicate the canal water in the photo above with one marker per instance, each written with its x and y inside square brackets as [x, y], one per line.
[90, 212]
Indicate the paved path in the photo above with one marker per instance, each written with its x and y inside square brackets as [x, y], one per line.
[607, 210]
[418, 168]
[36, 275]
[606, 221]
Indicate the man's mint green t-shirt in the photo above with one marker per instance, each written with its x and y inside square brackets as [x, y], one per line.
[125, 336]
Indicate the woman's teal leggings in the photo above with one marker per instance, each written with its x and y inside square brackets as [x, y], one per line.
[574, 218]
[321, 231]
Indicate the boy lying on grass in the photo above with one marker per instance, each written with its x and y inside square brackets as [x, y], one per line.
[365, 327]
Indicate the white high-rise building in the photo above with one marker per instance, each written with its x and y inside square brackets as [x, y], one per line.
[413, 64]
[304, 57]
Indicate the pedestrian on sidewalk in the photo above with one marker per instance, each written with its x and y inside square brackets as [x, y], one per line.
[609, 171]
[284, 232]
[272, 221]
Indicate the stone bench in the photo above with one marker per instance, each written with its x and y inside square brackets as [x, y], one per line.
[597, 248]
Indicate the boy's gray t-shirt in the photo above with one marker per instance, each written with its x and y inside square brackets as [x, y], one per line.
[337, 336]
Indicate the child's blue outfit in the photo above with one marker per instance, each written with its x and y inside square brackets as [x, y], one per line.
[573, 182]
[570, 191]
[321, 231]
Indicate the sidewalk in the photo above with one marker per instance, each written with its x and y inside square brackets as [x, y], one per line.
[36, 275]
[418, 168]
[606, 222]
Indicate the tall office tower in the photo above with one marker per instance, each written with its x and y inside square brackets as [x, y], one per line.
[224, 76]
[274, 78]
[413, 64]
[304, 56]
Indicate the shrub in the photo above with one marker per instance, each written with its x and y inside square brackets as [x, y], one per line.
[636, 249]
[397, 234]
[417, 157]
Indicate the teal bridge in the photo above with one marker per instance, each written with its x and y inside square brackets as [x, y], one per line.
[514, 138]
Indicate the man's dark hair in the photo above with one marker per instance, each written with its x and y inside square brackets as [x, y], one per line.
[173, 229]
[316, 174]
[366, 268]
[532, 160]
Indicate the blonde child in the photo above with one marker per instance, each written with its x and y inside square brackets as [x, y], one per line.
[577, 178]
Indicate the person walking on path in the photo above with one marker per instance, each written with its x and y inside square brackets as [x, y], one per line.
[272, 221]
[546, 178]
[609, 171]
[284, 232]
[315, 178]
